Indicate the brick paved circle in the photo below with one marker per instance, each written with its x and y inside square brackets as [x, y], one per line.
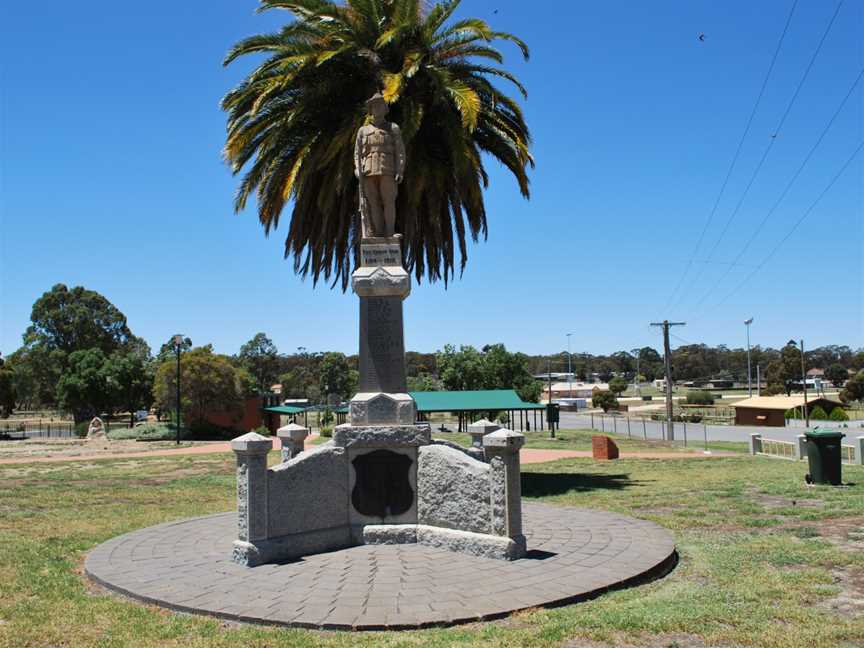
[574, 554]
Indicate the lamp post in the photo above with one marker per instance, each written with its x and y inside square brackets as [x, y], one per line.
[747, 323]
[178, 347]
[569, 369]
[638, 354]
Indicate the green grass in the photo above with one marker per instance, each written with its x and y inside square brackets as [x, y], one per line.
[759, 554]
[581, 440]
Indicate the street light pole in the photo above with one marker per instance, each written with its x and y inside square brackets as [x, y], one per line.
[178, 345]
[569, 369]
[638, 354]
[804, 386]
[747, 323]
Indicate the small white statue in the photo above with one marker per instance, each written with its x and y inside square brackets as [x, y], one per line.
[96, 430]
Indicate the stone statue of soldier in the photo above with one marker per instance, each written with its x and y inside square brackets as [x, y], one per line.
[379, 164]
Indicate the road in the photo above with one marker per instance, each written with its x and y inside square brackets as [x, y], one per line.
[695, 432]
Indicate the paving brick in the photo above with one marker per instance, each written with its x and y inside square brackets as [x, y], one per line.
[187, 564]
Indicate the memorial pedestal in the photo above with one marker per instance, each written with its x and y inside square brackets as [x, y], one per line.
[382, 479]
[381, 283]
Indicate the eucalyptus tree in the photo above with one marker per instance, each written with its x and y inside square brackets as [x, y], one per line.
[292, 122]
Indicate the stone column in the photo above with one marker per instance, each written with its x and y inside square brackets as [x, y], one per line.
[755, 443]
[251, 452]
[800, 447]
[478, 430]
[292, 437]
[502, 452]
[382, 284]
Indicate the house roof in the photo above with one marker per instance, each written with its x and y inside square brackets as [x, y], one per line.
[780, 402]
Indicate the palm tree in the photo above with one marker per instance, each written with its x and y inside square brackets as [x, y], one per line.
[293, 119]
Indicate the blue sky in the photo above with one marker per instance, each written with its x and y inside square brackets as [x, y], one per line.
[111, 177]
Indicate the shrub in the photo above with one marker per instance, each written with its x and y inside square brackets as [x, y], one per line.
[700, 398]
[326, 431]
[838, 414]
[326, 417]
[81, 429]
[206, 431]
[263, 430]
[503, 418]
[605, 400]
[819, 414]
[124, 434]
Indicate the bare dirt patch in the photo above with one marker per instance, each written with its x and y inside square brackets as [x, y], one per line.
[68, 448]
[850, 600]
[665, 640]
[846, 533]
[778, 502]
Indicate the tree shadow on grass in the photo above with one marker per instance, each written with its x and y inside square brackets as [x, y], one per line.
[544, 484]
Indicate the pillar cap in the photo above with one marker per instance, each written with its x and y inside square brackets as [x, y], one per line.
[381, 281]
[504, 439]
[293, 432]
[484, 426]
[252, 443]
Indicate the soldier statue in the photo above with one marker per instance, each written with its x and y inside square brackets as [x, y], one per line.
[379, 163]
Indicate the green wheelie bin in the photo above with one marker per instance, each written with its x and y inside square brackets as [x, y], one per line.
[823, 455]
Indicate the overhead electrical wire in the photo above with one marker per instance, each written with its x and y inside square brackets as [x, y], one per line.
[795, 226]
[785, 191]
[737, 153]
[770, 145]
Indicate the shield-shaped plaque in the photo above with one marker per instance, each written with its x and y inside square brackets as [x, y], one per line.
[382, 488]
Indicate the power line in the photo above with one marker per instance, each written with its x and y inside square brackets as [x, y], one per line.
[795, 225]
[737, 153]
[770, 145]
[786, 190]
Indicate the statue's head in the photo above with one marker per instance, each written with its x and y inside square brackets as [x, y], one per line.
[376, 106]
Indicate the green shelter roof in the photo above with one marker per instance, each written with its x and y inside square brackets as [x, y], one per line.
[284, 409]
[467, 401]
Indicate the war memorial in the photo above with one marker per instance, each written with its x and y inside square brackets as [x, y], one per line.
[382, 527]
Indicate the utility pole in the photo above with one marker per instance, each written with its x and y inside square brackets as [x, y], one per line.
[638, 354]
[758, 380]
[804, 385]
[569, 369]
[667, 352]
[747, 323]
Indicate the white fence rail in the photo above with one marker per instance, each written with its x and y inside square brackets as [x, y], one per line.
[795, 450]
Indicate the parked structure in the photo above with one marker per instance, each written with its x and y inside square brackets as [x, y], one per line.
[770, 411]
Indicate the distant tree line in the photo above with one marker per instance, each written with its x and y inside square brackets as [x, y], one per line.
[697, 362]
[79, 355]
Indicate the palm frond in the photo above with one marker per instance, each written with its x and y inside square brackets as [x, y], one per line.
[291, 125]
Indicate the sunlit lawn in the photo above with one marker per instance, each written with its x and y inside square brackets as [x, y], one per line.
[765, 559]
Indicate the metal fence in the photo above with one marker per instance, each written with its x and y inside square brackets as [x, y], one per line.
[36, 430]
[686, 433]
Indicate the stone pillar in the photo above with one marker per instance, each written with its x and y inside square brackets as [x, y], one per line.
[755, 443]
[478, 430]
[859, 451]
[251, 451]
[382, 284]
[502, 453]
[292, 437]
[801, 447]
